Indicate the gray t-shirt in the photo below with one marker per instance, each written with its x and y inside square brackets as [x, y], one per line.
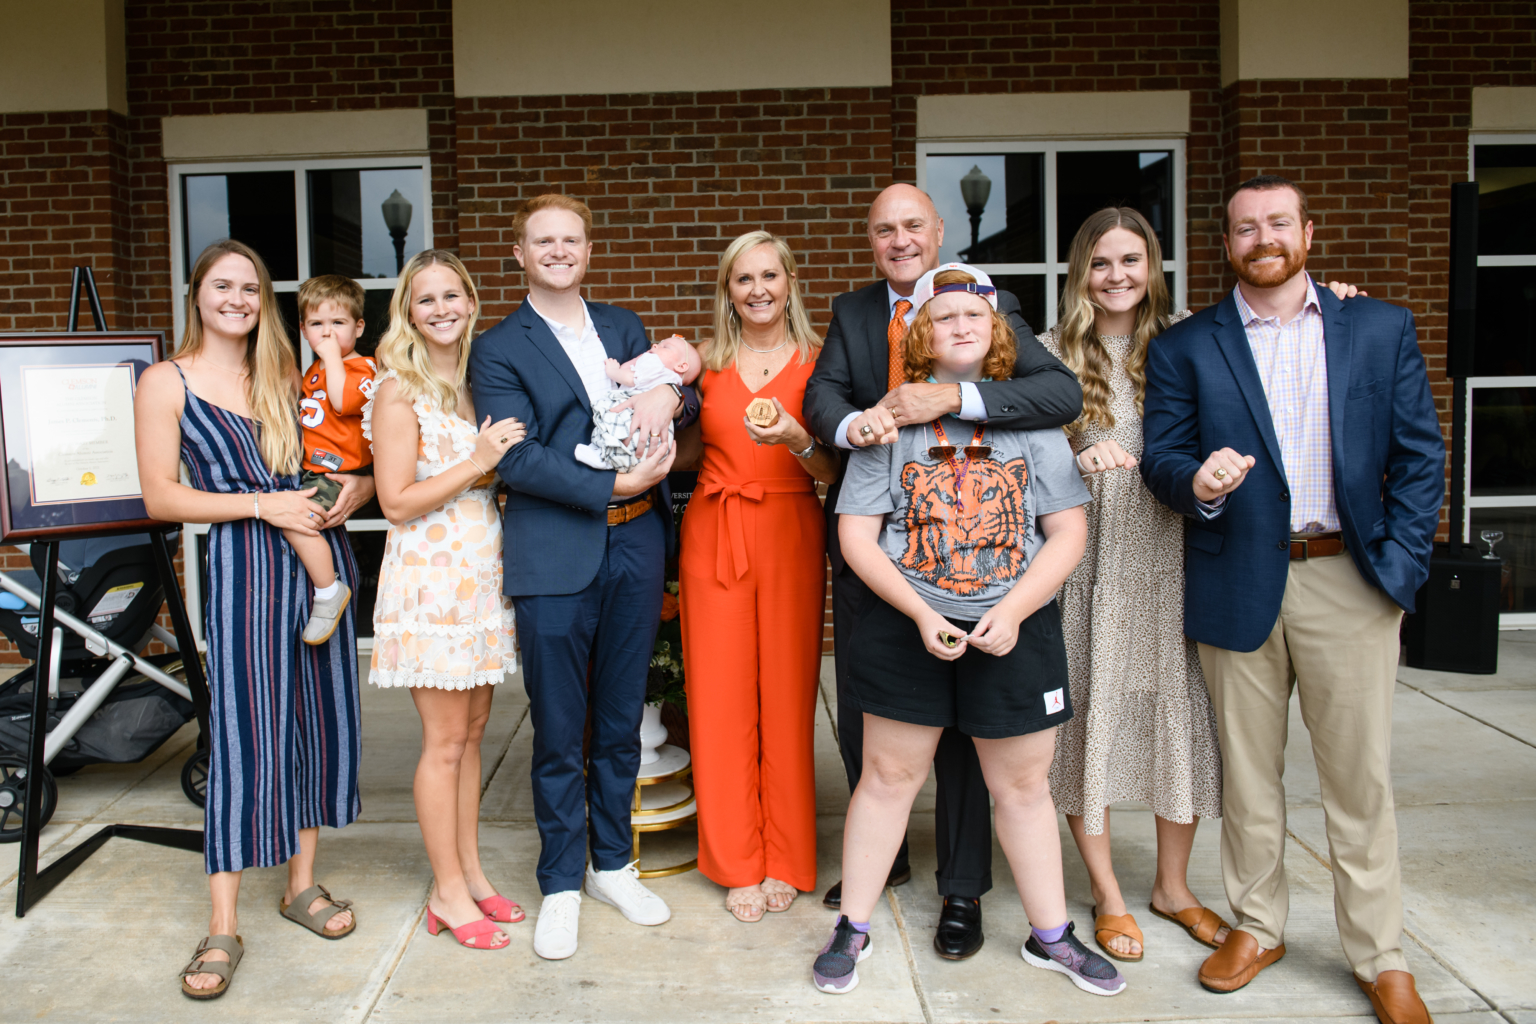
[962, 532]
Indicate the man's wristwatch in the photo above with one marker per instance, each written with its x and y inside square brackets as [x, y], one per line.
[808, 452]
[677, 389]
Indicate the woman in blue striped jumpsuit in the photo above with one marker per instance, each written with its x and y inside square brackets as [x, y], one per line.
[284, 724]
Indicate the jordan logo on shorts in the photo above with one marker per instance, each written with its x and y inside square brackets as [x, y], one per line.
[1054, 702]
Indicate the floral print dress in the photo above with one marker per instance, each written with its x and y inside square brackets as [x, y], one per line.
[441, 619]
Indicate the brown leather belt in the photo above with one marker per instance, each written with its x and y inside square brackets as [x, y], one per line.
[1317, 545]
[620, 514]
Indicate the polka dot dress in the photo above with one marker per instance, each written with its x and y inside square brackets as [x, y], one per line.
[1144, 729]
[440, 619]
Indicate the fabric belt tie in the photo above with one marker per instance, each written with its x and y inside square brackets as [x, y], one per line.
[1317, 545]
[731, 540]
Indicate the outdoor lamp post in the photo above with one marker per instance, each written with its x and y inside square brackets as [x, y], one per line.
[975, 188]
[397, 217]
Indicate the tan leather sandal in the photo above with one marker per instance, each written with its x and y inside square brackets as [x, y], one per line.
[773, 887]
[298, 912]
[1202, 923]
[230, 944]
[745, 904]
[1108, 927]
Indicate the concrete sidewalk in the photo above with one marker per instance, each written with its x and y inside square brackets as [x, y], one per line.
[107, 944]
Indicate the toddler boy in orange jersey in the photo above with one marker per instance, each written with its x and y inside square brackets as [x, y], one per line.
[336, 388]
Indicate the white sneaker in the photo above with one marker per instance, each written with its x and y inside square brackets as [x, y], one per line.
[622, 889]
[554, 934]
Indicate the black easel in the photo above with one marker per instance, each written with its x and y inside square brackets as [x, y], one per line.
[33, 884]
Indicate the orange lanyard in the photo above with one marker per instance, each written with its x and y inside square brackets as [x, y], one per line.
[961, 467]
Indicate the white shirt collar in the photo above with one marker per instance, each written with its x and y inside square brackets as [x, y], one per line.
[891, 298]
[560, 328]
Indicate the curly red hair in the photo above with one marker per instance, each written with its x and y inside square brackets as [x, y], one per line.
[919, 355]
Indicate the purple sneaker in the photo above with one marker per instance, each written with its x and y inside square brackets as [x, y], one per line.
[1088, 971]
[837, 968]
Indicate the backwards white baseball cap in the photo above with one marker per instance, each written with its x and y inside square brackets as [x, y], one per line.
[925, 290]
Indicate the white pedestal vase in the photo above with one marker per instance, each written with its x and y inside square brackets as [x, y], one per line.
[652, 733]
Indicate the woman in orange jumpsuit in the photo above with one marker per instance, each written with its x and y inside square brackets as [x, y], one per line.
[753, 578]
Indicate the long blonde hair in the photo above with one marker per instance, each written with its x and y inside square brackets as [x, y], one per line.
[404, 350]
[271, 382]
[1081, 348]
[797, 324]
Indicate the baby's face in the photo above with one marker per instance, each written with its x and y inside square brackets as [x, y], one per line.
[679, 357]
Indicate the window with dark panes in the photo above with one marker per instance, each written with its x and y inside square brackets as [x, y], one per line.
[1012, 209]
[358, 218]
[1501, 491]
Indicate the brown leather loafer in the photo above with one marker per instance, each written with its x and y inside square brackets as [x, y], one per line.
[1237, 962]
[1395, 999]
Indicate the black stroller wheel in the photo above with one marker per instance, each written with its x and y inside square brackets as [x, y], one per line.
[13, 796]
[194, 778]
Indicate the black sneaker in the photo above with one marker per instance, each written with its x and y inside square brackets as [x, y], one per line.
[1088, 971]
[837, 967]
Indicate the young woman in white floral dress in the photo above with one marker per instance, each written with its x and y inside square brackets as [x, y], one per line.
[441, 625]
[1144, 730]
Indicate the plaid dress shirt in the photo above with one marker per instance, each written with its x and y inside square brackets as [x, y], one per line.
[1293, 367]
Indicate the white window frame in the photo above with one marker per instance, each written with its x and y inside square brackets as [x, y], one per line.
[1507, 620]
[300, 168]
[1054, 271]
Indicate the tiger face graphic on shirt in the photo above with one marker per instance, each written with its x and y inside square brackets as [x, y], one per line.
[962, 531]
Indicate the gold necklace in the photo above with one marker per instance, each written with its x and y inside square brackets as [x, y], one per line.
[238, 373]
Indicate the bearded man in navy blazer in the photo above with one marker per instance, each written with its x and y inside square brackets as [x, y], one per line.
[1298, 434]
[585, 556]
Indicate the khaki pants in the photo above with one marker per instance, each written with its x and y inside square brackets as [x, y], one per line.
[1336, 642]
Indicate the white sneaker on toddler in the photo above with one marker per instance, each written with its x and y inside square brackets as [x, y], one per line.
[622, 888]
[325, 615]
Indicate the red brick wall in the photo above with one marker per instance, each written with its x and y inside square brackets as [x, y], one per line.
[62, 204]
[983, 46]
[1452, 47]
[671, 179]
[204, 57]
[1346, 144]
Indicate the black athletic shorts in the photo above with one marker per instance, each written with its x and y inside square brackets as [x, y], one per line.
[984, 696]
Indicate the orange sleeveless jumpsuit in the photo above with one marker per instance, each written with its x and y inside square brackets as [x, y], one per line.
[753, 581]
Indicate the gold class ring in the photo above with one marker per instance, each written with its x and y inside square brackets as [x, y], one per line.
[1220, 473]
[866, 430]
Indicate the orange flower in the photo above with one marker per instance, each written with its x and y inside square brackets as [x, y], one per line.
[668, 607]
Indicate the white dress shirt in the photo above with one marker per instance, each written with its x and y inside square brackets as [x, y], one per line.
[971, 406]
[585, 350]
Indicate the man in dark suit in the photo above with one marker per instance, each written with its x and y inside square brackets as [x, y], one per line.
[855, 398]
[585, 555]
[1298, 434]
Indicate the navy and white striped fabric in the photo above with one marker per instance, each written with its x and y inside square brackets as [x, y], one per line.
[284, 724]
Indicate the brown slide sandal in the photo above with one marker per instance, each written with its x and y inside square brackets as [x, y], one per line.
[298, 914]
[1108, 926]
[1202, 923]
[231, 944]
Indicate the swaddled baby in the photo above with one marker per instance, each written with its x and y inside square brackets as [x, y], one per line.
[669, 361]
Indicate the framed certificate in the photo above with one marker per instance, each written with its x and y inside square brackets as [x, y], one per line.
[66, 431]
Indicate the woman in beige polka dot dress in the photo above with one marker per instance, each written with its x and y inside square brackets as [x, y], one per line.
[441, 625]
[1144, 729]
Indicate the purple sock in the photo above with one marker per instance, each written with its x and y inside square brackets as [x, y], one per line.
[1051, 934]
[860, 926]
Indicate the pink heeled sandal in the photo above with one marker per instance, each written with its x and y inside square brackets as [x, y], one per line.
[499, 908]
[467, 934]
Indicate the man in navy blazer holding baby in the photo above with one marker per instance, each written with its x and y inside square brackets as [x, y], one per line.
[1298, 434]
[585, 559]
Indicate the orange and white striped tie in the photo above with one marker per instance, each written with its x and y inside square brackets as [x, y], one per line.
[895, 336]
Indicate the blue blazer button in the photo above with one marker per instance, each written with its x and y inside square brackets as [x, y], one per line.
[1283, 545]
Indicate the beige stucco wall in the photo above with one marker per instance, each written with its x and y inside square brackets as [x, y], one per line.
[1054, 115]
[528, 48]
[1503, 109]
[1313, 39]
[309, 134]
[63, 55]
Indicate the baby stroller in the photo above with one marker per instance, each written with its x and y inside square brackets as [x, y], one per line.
[107, 702]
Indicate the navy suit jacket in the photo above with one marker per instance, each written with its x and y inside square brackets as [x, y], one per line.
[556, 521]
[1204, 393]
